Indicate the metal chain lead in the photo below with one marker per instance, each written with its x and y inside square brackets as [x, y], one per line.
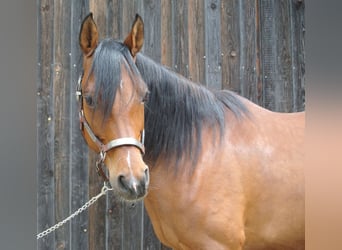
[104, 189]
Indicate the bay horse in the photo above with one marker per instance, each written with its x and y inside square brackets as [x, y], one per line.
[215, 170]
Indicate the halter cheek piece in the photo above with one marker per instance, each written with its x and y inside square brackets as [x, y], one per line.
[103, 148]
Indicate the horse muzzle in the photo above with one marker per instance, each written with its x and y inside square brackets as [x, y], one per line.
[130, 187]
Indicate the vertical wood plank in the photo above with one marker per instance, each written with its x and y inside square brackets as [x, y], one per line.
[268, 53]
[298, 54]
[180, 37]
[213, 44]
[250, 84]
[196, 41]
[128, 14]
[259, 78]
[61, 118]
[45, 159]
[79, 150]
[231, 45]
[99, 9]
[277, 51]
[166, 33]
[152, 24]
[113, 19]
[97, 212]
[132, 225]
[283, 90]
[115, 222]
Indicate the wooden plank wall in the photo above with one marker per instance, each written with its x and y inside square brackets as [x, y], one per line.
[62, 172]
[254, 47]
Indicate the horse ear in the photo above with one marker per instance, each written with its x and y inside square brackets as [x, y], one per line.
[89, 36]
[135, 40]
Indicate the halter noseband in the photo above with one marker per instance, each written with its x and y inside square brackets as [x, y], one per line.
[103, 148]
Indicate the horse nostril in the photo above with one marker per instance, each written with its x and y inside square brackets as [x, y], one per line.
[132, 186]
[147, 175]
[123, 182]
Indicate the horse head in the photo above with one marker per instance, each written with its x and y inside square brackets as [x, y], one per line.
[112, 95]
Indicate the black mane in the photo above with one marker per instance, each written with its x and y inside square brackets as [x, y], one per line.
[177, 109]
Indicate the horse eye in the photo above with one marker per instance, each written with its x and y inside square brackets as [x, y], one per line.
[145, 98]
[89, 100]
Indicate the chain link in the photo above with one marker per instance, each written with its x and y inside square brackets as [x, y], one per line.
[104, 189]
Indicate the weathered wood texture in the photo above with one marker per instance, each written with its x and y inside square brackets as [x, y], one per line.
[254, 47]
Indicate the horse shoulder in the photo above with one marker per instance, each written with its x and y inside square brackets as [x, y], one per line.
[269, 148]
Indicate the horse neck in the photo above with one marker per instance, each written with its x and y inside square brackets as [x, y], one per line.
[175, 115]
